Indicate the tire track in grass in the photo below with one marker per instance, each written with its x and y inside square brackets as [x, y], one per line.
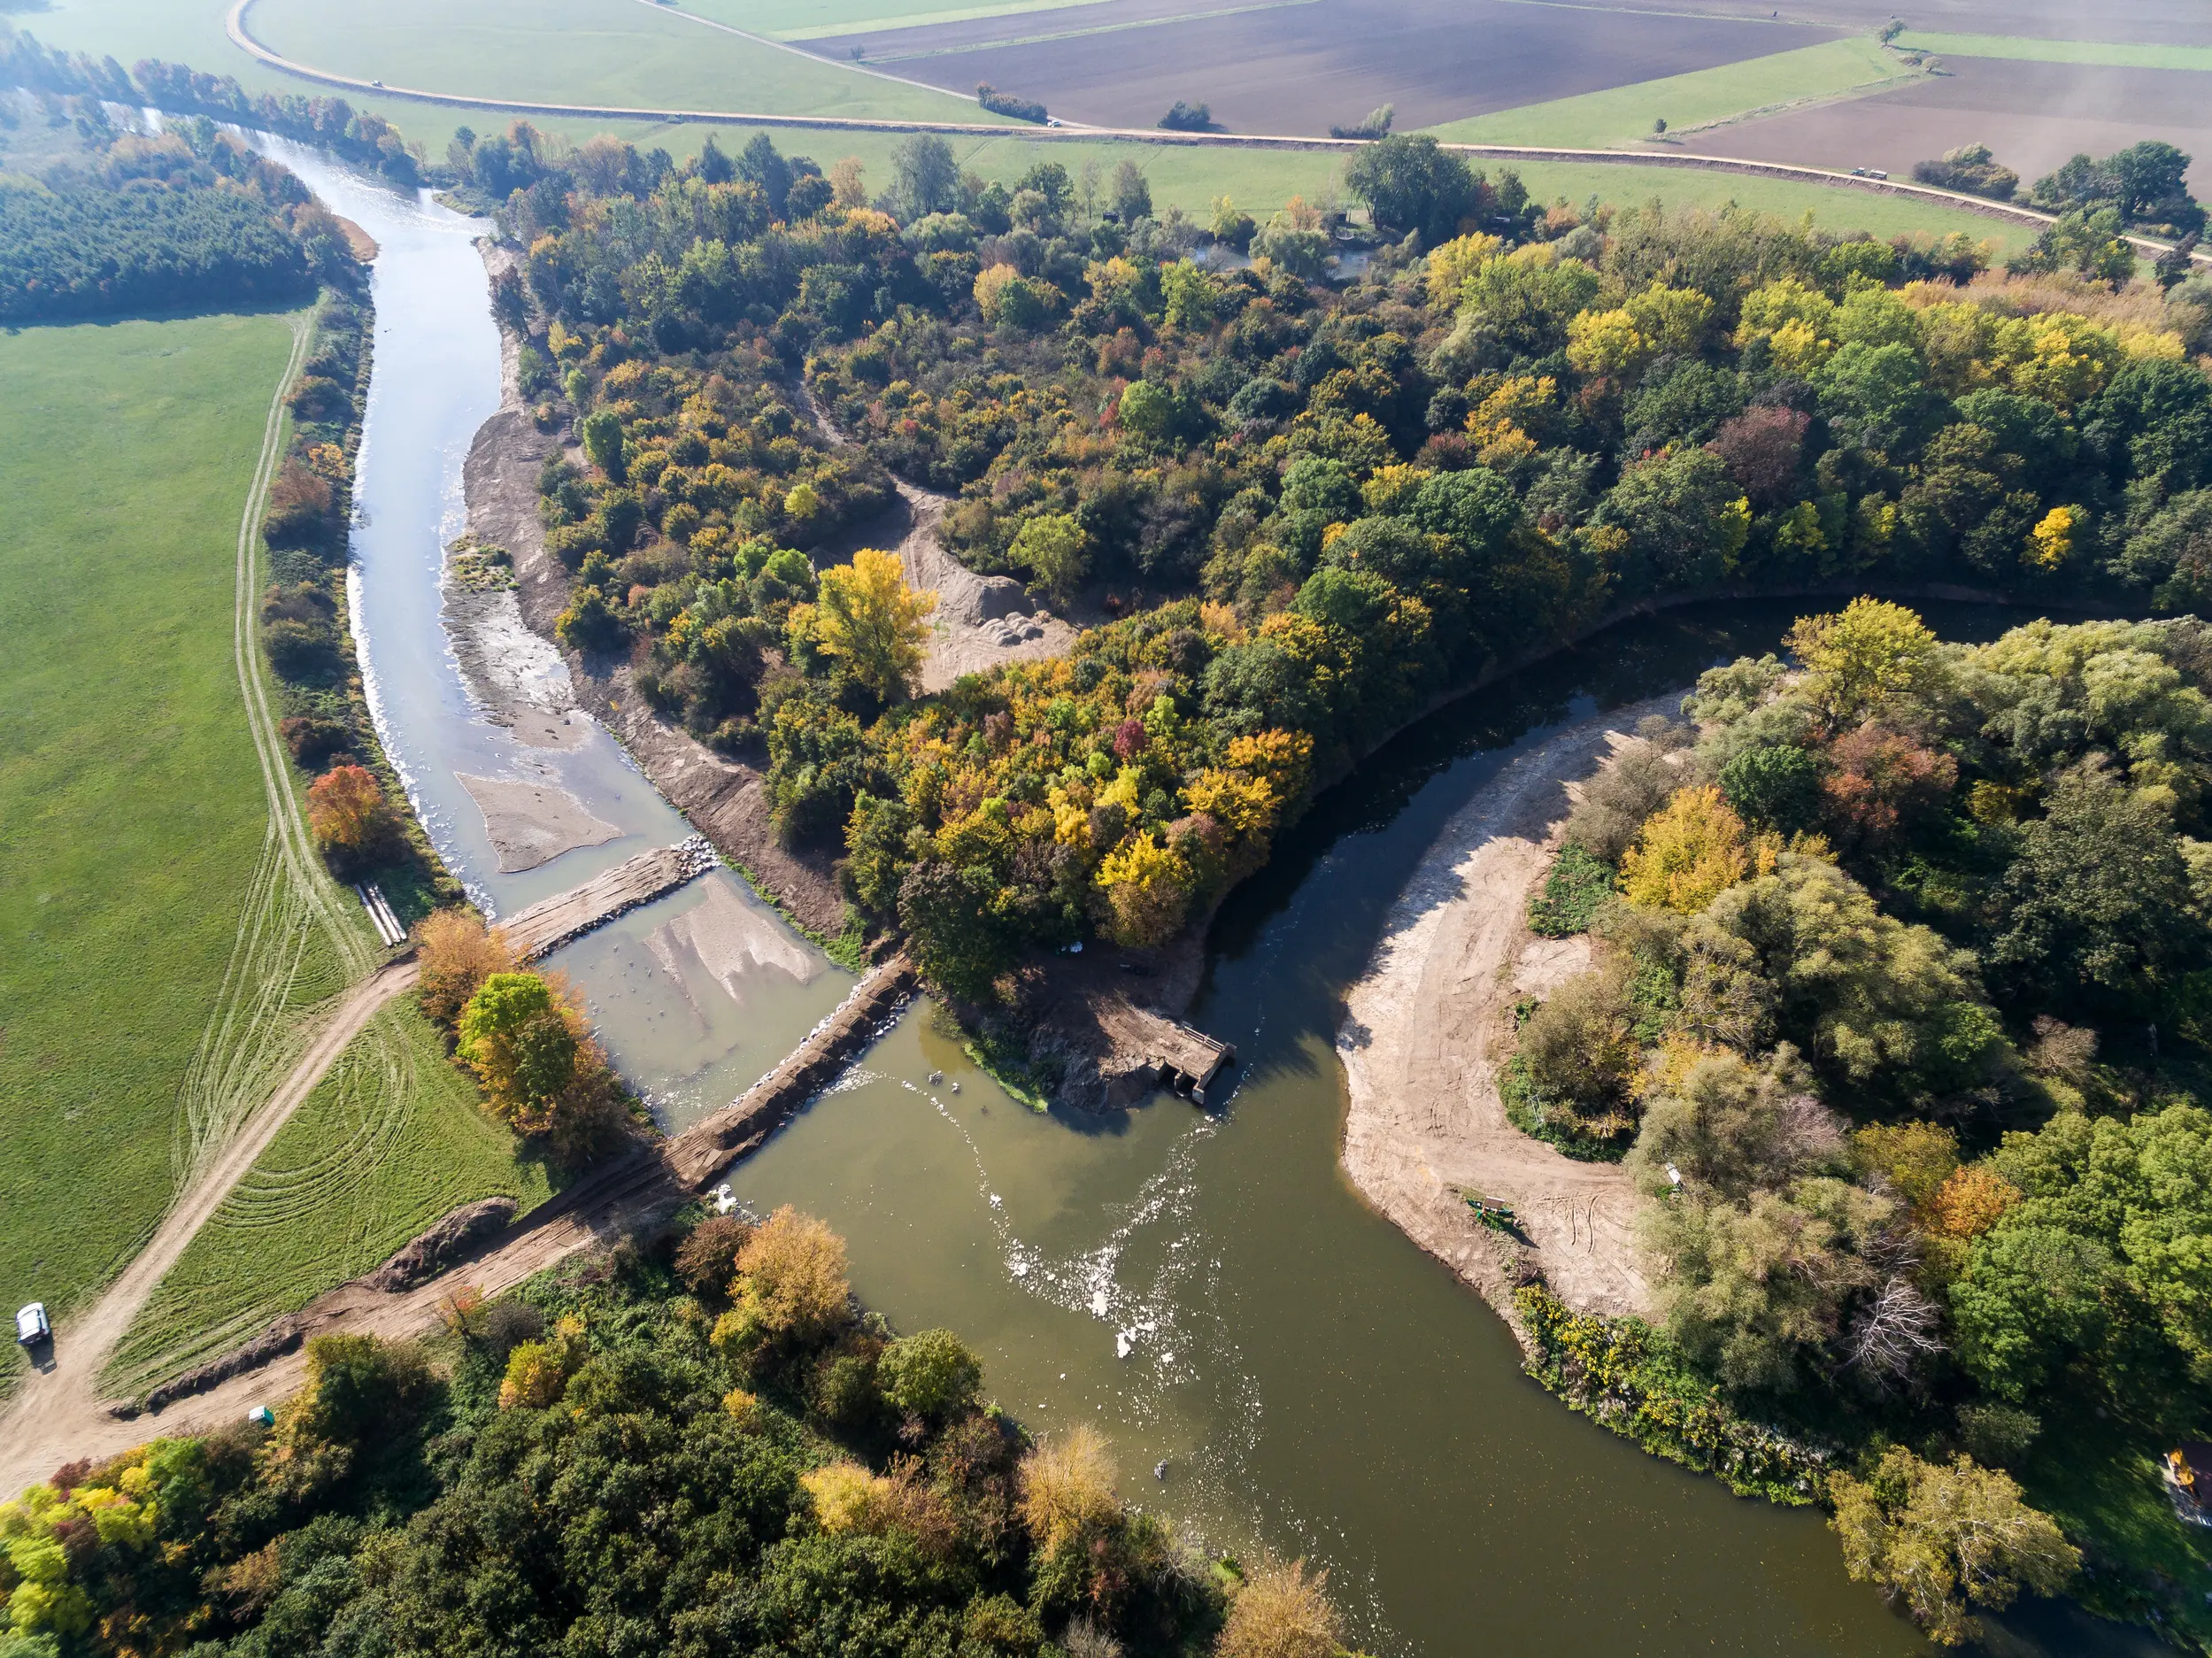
[255, 1031]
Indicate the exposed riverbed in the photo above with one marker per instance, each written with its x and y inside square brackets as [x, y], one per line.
[1207, 1289]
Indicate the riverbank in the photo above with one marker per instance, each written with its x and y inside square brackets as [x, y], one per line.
[1427, 1025]
[504, 640]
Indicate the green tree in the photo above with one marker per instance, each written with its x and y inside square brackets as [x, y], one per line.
[2098, 896]
[1412, 184]
[1684, 518]
[1936, 1539]
[603, 441]
[518, 1039]
[925, 178]
[1055, 549]
[932, 1376]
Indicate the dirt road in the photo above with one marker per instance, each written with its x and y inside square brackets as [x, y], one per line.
[1425, 1027]
[56, 1409]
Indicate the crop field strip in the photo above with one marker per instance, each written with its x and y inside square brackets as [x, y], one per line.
[1696, 101]
[134, 817]
[2033, 115]
[2108, 54]
[390, 1140]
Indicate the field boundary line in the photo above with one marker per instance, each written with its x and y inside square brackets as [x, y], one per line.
[233, 24]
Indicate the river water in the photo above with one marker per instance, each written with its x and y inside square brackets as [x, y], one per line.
[1205, 1287]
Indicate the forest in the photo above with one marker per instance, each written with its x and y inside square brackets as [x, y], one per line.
[1897, 1011]
[189, 220]
[695, 1448]
[1298, 512]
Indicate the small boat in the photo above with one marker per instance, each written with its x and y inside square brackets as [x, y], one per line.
[1491, 1212]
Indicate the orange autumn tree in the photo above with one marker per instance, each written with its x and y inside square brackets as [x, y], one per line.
[352, 822]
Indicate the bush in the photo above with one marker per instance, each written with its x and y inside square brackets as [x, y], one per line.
[1280, 1612]
[1187, 118]
[1625, 792]
[1970, 168]
[299, 512]
[311, 741]
[707, 1259]
[1580, 1051]
[932, 1376]
[1574, 887]
[302, 651]
[1005, 103]
[1067, 1485]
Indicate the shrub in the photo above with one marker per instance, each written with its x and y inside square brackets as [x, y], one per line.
[1580, 1052]
[311, 740]
[1623, 792]
[304, 653]
[932, 1376]
[707, 1259]
[1187, 118]
[1008, 104]
[299, 508]
[1574, 887]
[1066, 1487]
[1280, 1612]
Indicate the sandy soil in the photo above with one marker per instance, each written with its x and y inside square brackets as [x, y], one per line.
[730, 940]
[532, 823]
[981, 620]
[1424, 1030]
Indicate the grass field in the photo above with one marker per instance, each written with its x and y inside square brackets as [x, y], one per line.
[1599, 120]
[392, 1140]
[2113, 54]
[132, 814]
[584, 51]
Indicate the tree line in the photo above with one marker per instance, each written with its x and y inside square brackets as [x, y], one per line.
[696, 1445]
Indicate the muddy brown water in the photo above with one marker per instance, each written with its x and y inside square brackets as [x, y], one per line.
[1204, 1287]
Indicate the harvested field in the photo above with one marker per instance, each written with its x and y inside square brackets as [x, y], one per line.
[813, 19]
[1298, 68]
[2033, 115]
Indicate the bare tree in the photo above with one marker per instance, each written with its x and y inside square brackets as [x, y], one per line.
[1894, 1331]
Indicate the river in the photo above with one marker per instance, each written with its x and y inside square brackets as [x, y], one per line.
[1306, 1379]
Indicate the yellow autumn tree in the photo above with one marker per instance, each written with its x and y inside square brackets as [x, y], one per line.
[1690, 851]
[866, 616]
[1147, 887]
[1863, 655]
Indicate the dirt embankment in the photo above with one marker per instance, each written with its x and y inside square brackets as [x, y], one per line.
[1428, 1025]
[504, 644]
